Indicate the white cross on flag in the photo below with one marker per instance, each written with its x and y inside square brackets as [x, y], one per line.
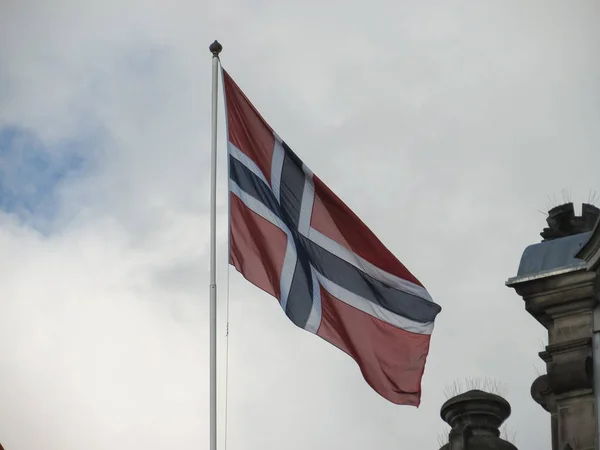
[291, 236]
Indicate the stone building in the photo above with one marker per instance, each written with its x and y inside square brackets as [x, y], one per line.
[559, 283]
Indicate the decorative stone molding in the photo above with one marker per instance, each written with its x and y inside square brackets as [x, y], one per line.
[569, 365]
[566, 293]
[542, 394]
[475, 418]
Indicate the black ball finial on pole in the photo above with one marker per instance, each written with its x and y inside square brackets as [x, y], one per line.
[215, 48]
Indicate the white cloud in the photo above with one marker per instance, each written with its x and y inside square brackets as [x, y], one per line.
[445, 127]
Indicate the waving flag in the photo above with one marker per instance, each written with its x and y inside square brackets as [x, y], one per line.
[291, 236]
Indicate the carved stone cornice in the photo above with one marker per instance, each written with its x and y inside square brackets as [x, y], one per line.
[567, 293]
[557, 285]
[569, 367]
[581, 344]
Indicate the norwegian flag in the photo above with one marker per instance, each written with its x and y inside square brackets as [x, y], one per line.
[291, 236]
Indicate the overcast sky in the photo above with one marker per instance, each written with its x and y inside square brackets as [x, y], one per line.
[445, 125]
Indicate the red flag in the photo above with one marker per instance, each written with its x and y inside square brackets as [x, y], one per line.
[291, 236]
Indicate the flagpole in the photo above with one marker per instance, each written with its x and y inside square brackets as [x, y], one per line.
[215, 48]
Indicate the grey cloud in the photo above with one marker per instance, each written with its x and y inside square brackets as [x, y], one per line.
[443, 125]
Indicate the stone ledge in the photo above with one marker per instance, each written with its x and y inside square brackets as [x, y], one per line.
[567, 346]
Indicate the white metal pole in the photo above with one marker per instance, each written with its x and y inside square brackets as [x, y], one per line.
[215, 49]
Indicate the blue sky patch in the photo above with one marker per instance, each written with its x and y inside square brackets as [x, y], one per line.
[31, 173]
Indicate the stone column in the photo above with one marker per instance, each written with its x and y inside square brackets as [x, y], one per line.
[475, 418]
[559, 289]
[564, 304]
